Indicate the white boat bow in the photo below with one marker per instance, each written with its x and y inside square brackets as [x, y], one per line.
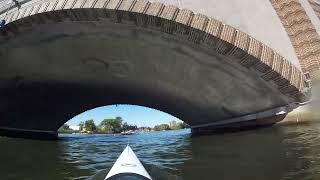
[128, 166]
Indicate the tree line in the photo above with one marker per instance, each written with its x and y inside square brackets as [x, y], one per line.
[116, 125]
[173, 125]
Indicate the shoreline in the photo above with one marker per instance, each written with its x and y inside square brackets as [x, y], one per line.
[119, 133]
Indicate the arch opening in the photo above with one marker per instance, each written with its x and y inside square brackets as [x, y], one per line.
[123, 118]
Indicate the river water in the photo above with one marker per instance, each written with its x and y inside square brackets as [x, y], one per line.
[283, 152]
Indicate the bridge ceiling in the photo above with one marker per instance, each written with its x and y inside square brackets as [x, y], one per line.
[175, 56]
[183, 23]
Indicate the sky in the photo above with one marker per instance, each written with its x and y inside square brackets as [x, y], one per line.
[141, 116]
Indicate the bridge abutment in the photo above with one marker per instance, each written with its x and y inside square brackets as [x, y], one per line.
[29, 134]
[238, 126]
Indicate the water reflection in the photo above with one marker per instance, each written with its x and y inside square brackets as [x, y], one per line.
[303, 151]
[273, 153]
[291, 152]
[28, 159]
[245, 155]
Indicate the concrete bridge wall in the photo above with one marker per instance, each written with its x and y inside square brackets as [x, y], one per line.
[255, 17]
[60, 58]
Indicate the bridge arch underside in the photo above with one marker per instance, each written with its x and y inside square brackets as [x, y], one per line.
[58, 64]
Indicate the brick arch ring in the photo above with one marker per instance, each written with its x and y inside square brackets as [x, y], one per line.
[184, 23]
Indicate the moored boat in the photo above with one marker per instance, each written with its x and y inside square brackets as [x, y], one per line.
[130, 132]
[128, 167]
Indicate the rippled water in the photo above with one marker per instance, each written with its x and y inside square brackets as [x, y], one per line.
[290, 152]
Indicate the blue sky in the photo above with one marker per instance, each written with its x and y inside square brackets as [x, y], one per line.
[141, 116]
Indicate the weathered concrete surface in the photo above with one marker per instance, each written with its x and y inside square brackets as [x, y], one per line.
[255, 17]
[71, 61]
[233, 127]
[308, 113]
[51, 78]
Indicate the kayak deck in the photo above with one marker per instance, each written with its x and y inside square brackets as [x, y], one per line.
[128, 166]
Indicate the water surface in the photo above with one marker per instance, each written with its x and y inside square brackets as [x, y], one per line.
[286, 152]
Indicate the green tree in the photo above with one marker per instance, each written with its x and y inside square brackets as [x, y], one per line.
[111, 125]
[65, 129]
[127, 127]
[161, 127]
[81, 125]
[118, 118]
[89, 125]
[182, 125]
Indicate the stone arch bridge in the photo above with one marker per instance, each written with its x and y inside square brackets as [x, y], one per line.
[214, 64]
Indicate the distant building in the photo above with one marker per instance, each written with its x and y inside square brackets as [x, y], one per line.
[75, 128]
